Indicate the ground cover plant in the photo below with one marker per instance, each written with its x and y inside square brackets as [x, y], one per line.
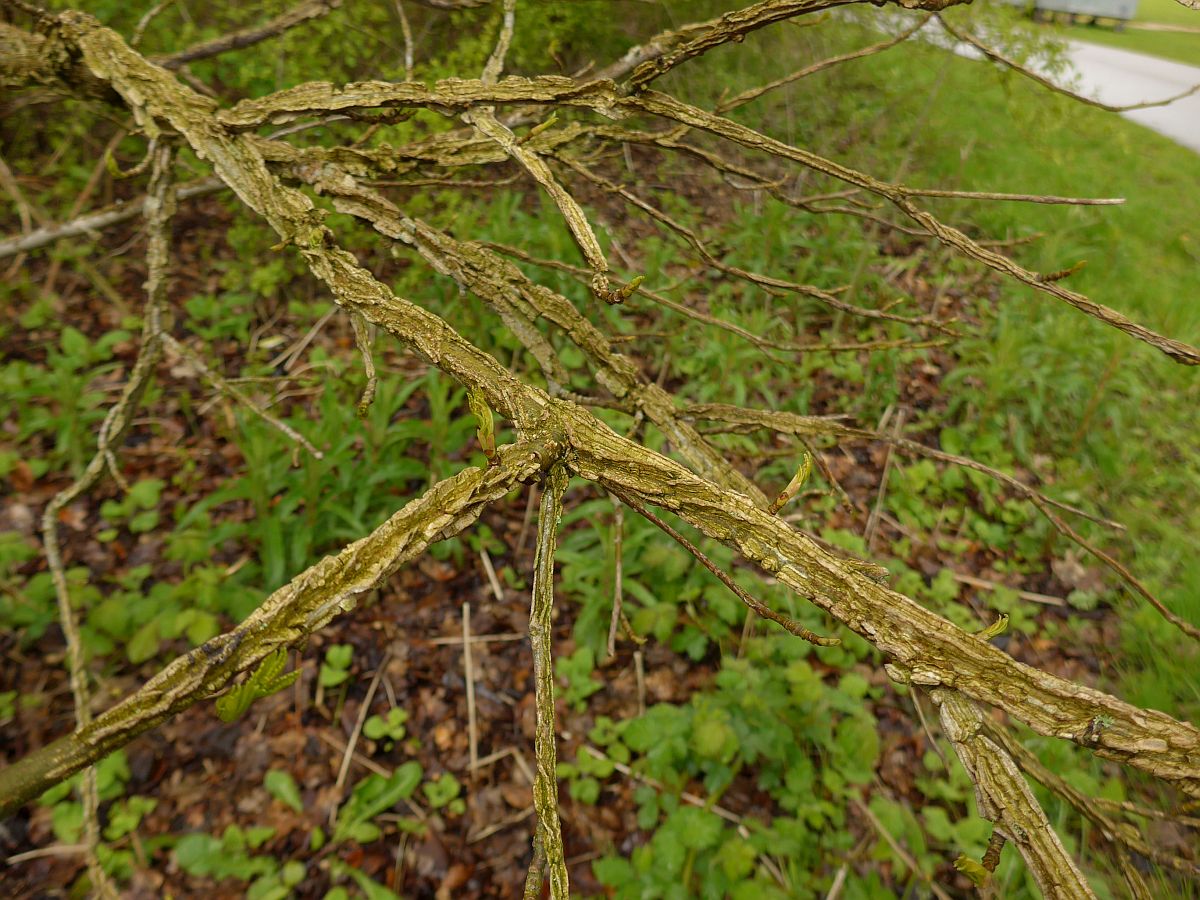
[741, 757]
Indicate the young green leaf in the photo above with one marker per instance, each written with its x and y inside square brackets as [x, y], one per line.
[973, 869]
[267, 679]
[484, 427]
[793, 486]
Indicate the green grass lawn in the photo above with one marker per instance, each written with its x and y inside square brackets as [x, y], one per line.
[1179, 46]
[1184, 48]
[1167, 12]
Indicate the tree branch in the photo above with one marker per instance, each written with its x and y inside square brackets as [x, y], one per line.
[1004, 798]
[247, 37]
[100, 219]
[541, 636]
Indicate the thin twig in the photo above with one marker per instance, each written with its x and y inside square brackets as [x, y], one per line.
[839, 880]
[507, 822]
[668, 107]
[835, 889]
[827, 473]
[754, 93]
[365, 761]
[933, 741]
[751, 602]
[490, 571]
[363, 712]
[997, 56]
[763, 343]
[145, 21]
[1047, 199]
[873, 519]
[160, 205]
[98, 172]
[518, 759]
[222, 385]
[747, 632]
[406, 30]
[764, 281]
[290, 354]
[469, 675]
[1146, 812]
[817, 426]
[530, 503]
[103, 218]
[42, 852]
[618, 574]
[1031, 596]
[301, 12]
[904, 855]
[524, 767]
[1119, 568]
[495, 63]
[24, 213]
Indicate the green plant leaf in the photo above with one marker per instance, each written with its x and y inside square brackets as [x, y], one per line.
[375, 794]
[144, 643]
[973, 869]
[265, 680]
[441, 790]
[282, 786]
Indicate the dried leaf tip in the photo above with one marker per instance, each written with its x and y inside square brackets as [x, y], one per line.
[1063, 273]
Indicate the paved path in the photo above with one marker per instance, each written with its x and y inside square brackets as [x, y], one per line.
[1119, 78]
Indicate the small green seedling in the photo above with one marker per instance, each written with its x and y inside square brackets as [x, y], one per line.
[577, 670]
[389, 730]
[372, 796]
[443, 792]
[336, 667]
[138, 509]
